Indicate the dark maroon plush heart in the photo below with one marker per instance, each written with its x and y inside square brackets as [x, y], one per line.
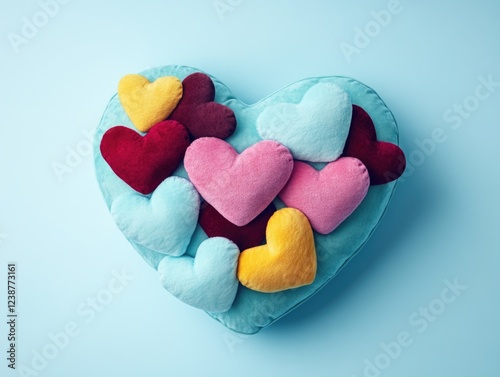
[143, 162]
[247, 236]
[198, 112]
[385, 161]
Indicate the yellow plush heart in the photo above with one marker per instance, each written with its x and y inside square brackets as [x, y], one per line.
[147, 103]
[288, 260]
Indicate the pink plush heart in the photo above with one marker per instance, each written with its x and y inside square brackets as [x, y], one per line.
[239, 186]
[327, 197]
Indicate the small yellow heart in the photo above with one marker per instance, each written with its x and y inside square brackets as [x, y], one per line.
[147, 103]
[288, 260]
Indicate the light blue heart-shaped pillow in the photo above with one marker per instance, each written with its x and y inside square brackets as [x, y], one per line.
[315, 129]
[207, 281]
[163, 222]
[251, 310]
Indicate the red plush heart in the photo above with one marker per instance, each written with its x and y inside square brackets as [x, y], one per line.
[143, 162]
[198, 112]
[385, 161]
[247, 236]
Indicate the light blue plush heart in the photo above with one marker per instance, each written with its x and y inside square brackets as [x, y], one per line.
[315, 129]
[207, 281]
[163, 222]
[251, 311]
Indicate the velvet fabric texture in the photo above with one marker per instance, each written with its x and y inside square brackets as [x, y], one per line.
[385, 161]
[245, 237]
[315, 129]
[143, 162]
[252, 311]
[153, 222]
[238, 186]
[149, 103]
[198, 112]
[288, 260]
[207, 281]
[327, 197]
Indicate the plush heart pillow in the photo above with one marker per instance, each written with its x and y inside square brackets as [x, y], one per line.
[245, 210]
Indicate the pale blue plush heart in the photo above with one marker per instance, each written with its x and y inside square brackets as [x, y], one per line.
[163, 222]
[315, 129]
[207, 281]
[251, 311]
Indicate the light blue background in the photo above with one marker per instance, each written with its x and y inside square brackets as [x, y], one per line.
[442, 224]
